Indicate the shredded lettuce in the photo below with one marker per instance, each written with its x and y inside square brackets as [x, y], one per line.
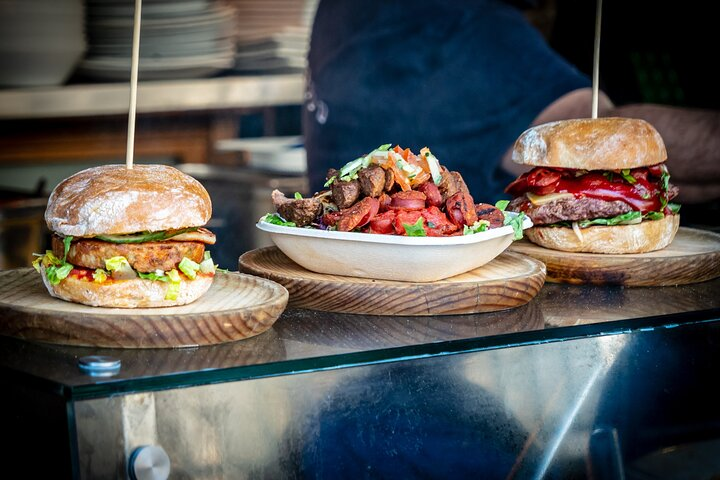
[477, 227]
[174, 287]
[99, 275]
[157, 276]
[349, 170]
[298, 196]
[416, 229]
[434, 166]
[207, 265]
[117, 263]
[189, 268]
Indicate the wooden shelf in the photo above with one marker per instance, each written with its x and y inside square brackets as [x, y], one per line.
[182, 119]
[223, 93]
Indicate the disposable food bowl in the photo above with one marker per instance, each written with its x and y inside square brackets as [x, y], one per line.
[389, 257]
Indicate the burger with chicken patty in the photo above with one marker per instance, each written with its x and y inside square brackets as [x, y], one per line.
[128, 238]
[597, 186]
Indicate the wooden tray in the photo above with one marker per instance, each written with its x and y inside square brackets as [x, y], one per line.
[237, 306]
[508, 281]
[693, 256]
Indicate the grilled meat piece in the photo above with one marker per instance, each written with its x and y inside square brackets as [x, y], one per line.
[452, 183]
[432, 192]
[143, 257]
[389, 180]
[357, 215]
[301, 211]
[345, 193]
[461, 209]
[372, 181]
[491, 213]
[568, 209]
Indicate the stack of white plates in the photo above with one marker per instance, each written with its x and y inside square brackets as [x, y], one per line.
[41, 41]
[178, 39]
[272, 154]
[273, 35]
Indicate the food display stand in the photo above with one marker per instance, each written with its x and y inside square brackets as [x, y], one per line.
[582, 381]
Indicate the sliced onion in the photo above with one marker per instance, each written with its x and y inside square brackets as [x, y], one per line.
[578, 233]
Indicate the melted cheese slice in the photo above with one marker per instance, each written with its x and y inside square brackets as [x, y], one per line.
[538, 200]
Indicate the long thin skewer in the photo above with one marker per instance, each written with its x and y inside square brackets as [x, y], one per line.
[596, 60]
[133, 86]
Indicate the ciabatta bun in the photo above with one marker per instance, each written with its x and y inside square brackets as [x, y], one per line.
[591, 144]
[136, 293]
[642, 237]
[113, 200]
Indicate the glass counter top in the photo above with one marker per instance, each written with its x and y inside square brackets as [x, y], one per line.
[304, 340]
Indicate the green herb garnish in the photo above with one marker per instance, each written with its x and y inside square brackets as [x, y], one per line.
[276, 219]
[416, 229]
[626, 175]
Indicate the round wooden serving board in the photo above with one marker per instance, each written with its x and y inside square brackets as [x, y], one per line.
[510, 280]
[693, 256]
[237, 306]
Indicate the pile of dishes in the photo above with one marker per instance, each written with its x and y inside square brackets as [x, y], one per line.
[178, 39]
[41, 42]
[273, 35]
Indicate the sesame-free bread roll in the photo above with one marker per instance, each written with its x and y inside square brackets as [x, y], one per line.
[591, 144]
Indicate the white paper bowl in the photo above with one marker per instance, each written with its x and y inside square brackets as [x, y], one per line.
[389, 257]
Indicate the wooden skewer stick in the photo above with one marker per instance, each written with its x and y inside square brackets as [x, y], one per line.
[133, 86]
[596, 60]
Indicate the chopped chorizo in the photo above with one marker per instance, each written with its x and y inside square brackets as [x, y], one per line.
[408, 200]
[461, 209]
[357, 215]
[492, 214]
[432, 192]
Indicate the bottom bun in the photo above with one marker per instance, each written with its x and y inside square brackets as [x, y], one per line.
[136, 293]
[638, 238]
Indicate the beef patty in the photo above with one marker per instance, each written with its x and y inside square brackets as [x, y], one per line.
[143, 257]
[568, 209]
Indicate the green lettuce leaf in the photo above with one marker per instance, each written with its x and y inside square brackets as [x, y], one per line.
[276, 219]
[516, 222]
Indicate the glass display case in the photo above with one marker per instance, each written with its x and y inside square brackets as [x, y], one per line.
[583, 381]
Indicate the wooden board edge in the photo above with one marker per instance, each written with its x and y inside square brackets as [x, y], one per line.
[303, 294]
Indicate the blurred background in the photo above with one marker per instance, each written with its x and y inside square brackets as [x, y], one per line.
[221, 90]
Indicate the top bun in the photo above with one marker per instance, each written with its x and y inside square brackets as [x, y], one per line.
[114, 200]
[591, 144]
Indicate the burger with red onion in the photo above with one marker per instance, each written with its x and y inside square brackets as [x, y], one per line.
[596, 186]
[128, 238]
